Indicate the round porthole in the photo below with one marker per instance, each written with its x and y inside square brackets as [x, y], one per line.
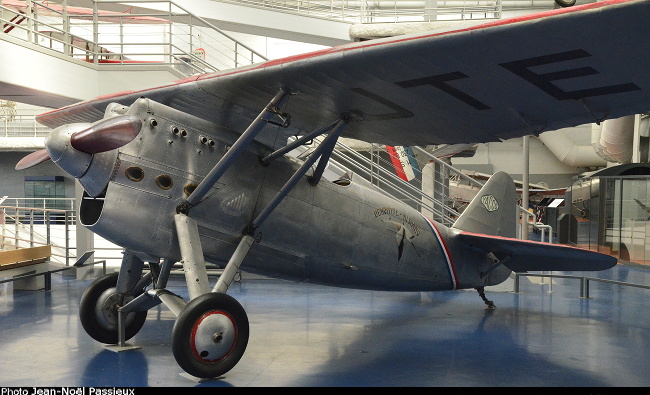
[164, 181]
[134, 173]
[189, 188]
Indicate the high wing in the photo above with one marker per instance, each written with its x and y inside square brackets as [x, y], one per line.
[493, 81]
[523, 255]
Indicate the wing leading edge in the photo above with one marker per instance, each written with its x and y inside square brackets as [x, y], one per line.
[498, 80]
[525, 255]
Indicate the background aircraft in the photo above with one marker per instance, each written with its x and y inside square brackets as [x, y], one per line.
[196, 171]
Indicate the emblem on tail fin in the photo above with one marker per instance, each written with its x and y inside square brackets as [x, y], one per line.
[490, 202]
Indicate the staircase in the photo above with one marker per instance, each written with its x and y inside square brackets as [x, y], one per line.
[169, 36]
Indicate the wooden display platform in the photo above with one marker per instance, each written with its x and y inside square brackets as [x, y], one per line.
[10, 259]
[23, 261]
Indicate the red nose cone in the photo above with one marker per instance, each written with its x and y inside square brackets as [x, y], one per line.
[107, 135]
[33, 159]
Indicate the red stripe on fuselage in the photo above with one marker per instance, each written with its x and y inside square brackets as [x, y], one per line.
[445, 250]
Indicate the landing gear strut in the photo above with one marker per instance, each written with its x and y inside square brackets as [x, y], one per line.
[489, 303]
[211, 332]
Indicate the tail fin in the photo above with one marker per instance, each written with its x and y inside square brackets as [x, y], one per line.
[493, 210]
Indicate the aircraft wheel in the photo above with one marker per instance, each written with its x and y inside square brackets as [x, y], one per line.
[98, 311]
[210, 335]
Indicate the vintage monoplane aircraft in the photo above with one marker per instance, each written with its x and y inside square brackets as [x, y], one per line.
[197, 171]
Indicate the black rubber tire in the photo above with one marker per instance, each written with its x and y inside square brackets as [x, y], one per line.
[195, 333]
[101, 324]
[565, 3]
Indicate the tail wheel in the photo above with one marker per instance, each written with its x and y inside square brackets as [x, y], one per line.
[98, 311]
[210, 335]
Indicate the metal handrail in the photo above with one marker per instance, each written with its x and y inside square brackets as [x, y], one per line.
[526, 220]
[48, 274]
[191, 15]
[380, 11]
[60, 38]
[22, 125]
[390, 179]
[584, 282]
[69, 203]
[17, 222]
[203, 23]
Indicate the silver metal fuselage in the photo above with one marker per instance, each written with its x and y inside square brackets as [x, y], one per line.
[332, 233]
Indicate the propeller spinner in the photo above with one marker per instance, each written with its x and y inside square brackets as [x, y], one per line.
[102, 136]
[107, 135]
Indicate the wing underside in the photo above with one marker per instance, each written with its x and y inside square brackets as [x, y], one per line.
[494, 81]
[524, 255]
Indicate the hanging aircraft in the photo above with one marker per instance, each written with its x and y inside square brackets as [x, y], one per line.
[197, 171]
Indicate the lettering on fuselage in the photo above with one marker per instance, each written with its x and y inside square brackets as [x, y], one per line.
[394, 212]
[520, 68]
[398, 223]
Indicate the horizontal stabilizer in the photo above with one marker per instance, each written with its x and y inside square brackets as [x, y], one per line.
[525, 255]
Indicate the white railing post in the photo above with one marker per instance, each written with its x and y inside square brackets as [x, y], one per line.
[16, 229]
[95, 46]
[67, 239]
[31, 228]
[30, 21]
[2, 245]
[67, 48]
[121, 40]
[47, 228]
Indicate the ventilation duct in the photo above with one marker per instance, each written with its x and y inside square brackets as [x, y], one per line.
[615, 140]
[570, 153]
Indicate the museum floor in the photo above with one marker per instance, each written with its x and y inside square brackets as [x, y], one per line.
[307, 336]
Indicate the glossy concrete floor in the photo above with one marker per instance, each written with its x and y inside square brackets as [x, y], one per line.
[307, 335]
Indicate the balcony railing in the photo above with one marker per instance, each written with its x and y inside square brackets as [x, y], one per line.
[387, 11]
[164, 33]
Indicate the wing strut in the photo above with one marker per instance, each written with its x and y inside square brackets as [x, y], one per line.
[268, 158]
[237, 148]
[323, 151]
[196, 275]
[187, 229]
